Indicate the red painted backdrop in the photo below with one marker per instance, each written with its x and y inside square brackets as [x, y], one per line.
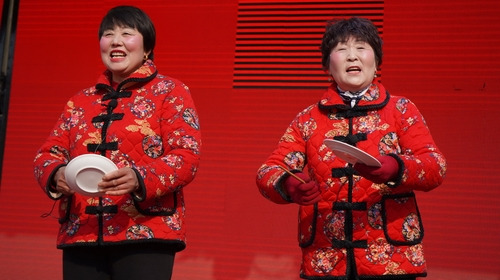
[443, 55]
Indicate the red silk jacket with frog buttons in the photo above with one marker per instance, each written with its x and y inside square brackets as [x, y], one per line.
[359, 228]
[149, 123]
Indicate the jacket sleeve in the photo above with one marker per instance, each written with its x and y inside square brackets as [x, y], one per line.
[181, 137]
[424, 164]
[290, 154]
[54, 152]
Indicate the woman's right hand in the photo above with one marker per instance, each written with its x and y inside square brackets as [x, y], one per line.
[306, 193]
[60, 182]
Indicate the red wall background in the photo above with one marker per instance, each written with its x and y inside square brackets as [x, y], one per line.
[443, 55]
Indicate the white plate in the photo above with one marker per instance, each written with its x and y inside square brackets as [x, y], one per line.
[350, 153]
[84, 172]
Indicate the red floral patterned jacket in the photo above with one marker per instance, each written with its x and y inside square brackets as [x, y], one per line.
[359, 228]
[153, 128]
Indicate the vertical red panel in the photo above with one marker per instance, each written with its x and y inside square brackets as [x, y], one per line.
[444, 56]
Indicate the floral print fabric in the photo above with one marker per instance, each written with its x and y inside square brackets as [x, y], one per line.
[148, 123]
[359, 227]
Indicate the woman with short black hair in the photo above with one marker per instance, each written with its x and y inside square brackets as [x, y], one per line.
[129, 223]
[352, 161]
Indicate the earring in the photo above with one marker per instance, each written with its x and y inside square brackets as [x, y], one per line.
[145, 56]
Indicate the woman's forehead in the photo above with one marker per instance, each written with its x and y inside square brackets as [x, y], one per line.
[351, 39]
[118, 23]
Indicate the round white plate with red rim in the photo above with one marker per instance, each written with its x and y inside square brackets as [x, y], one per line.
[350, 153]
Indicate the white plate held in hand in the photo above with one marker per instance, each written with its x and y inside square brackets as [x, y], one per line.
[84, 172]
[350, 153]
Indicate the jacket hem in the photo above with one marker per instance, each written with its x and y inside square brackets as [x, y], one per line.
[175, 245]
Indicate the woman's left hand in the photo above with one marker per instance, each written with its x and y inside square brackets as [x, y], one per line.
[387, 171]
[119, 182]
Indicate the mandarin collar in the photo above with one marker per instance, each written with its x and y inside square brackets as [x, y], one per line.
[145, 73]
[375, 97]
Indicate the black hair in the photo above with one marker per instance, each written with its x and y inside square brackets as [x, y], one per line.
[133, 17]
[339, 31]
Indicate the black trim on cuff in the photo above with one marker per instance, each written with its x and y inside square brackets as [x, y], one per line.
[399, 177]
[50, 186]
[281, 189]
[140, 194]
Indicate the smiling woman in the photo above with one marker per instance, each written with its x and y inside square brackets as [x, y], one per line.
[122, 51]
[351, 211]
[126, 42]
[131, 225]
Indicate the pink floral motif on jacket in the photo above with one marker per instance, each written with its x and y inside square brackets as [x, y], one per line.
[372, 229]
[149, 123]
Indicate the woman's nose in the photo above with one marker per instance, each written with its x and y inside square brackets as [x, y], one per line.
[351, 55]
[116, 40]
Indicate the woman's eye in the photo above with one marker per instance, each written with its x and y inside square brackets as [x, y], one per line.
[128, 32]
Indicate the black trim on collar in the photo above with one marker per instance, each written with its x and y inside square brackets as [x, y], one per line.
[355, 111]
[109, 88]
